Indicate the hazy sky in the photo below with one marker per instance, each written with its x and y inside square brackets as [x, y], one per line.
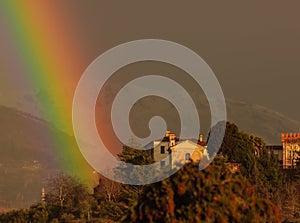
[253, 47]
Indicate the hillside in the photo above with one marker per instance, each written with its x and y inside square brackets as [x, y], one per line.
[260, 121]
[28, 155]
[251, 118]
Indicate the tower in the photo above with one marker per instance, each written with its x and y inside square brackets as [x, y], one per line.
[290, 149]
[43, 196]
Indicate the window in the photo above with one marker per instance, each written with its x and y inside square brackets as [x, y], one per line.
[162, 149]
[162, 163]
[187, 156]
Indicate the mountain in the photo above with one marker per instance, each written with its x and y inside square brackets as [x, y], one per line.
[28, 155]
[251, 118]
[260, 121]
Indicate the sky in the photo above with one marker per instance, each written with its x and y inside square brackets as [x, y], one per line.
[252, 47]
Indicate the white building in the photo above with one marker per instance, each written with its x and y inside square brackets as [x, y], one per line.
[180, 150]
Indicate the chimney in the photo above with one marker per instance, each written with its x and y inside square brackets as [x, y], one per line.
[172, 139]
[167, 133]
[201, 137]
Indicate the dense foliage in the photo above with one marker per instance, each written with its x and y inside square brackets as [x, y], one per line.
[36, 214]
[216, 194]
[257, 164]
[115, 198]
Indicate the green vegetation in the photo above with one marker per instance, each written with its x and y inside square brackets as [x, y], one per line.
[216, 194]
[67, 199]
[258, 191]
[115, 198]
[36, 214]
[258, 165]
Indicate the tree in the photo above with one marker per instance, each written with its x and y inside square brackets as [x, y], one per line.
[107, 190]
[215, 194]
[15, 216]
[115, 198]
[269, 178]
[35, 214]
[66, 196]
[257, 164]
[67, 200]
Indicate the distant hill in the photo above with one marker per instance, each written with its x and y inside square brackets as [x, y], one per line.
[260, 121]
[27, 157]
[251, 118]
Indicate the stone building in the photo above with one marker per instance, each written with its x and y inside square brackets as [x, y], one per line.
[180, 150]
[290, 149]
[287, 152]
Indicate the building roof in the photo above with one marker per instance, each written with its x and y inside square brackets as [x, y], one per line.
[166, 139]
[172, 136]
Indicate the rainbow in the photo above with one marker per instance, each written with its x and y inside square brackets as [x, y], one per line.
[51, 55]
